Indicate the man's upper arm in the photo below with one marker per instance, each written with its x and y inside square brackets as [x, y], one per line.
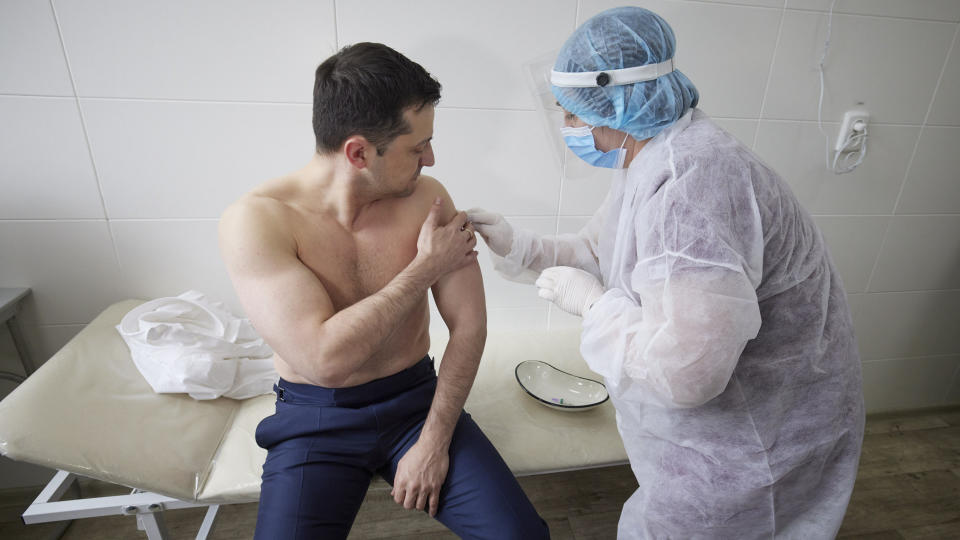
[282, 297]
[459, 294]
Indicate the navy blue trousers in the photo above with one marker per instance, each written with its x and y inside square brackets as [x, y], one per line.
[324, 445]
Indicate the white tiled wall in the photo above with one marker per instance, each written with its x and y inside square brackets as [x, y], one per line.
[215, 50]
[36, 185]
[475, 49]
[161, 159]
[31, 55]
[932, 186]
[892, 65]
[126, 126]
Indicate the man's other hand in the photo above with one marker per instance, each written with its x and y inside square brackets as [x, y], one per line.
[444, 248]
[420, 476]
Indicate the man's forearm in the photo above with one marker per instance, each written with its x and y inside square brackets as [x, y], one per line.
[461, 360]
[354, 334]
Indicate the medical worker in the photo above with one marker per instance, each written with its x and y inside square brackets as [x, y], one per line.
[710, 304]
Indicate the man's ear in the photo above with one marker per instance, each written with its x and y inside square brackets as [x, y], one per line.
[357, 150]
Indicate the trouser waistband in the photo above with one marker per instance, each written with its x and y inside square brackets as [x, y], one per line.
[360, 395]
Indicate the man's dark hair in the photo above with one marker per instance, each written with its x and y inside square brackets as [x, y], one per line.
[363, 90]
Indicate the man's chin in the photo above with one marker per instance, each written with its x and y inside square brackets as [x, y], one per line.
[413, 185]
[407, 192]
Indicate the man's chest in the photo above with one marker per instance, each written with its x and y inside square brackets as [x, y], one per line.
[354, 265]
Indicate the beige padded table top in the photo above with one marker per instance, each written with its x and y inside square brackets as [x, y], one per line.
[88, 410]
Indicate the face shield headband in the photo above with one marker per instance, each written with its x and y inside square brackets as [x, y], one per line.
[614, 77]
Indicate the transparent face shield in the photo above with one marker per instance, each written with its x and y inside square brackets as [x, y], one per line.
[540, 76]
[537, 73]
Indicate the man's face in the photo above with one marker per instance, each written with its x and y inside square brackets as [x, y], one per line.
[399, 167]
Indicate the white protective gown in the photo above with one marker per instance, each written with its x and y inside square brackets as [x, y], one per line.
[725, 340]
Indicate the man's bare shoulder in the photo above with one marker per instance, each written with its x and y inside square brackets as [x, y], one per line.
[428, 190]
[253, 209]
[258, 217]
[429, 187]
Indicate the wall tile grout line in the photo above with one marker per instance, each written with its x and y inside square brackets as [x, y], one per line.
[200, 101]
[870, 15]
[38, 96]
[937, 214]
[733, 3]
[953, 384]
[908, 291]
[165, 219]
[115, 220]
[86, 134]
[510, 216]
[441, 106]
[831, 122]
[766, 88]
[883, 244]
[556, 224]
[197, 101]
[46, 220]
[917, 357]
[913, 155]
[336, 25]
[926, 117]
[562, 172]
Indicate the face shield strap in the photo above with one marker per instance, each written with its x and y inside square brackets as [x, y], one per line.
[613, 77]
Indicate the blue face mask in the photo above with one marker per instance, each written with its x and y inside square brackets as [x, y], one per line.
[581, 142]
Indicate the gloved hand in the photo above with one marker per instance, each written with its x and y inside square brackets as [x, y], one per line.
[496, 232]
[572, 289]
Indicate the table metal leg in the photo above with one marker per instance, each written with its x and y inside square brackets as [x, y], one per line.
[154, 525]
[13, 324]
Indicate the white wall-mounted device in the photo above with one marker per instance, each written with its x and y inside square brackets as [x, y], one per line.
[853, 126]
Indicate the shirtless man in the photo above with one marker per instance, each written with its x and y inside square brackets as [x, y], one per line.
[332, 264]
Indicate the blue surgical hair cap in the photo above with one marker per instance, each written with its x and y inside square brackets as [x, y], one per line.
[617, 38]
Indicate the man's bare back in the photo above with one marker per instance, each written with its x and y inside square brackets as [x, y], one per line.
[353, 264]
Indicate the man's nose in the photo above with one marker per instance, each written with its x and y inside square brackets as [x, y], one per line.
[428, 159]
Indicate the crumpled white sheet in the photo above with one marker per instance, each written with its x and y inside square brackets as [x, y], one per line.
[193, 344]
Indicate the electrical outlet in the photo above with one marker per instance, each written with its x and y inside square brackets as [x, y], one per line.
[849, 125]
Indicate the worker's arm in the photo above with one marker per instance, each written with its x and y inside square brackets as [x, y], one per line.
[524, 251]
[460, 300]
[290, 308]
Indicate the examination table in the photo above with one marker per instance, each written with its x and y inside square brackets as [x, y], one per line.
[87, 411]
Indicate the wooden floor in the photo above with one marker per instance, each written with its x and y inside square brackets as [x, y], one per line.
[908, 487]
